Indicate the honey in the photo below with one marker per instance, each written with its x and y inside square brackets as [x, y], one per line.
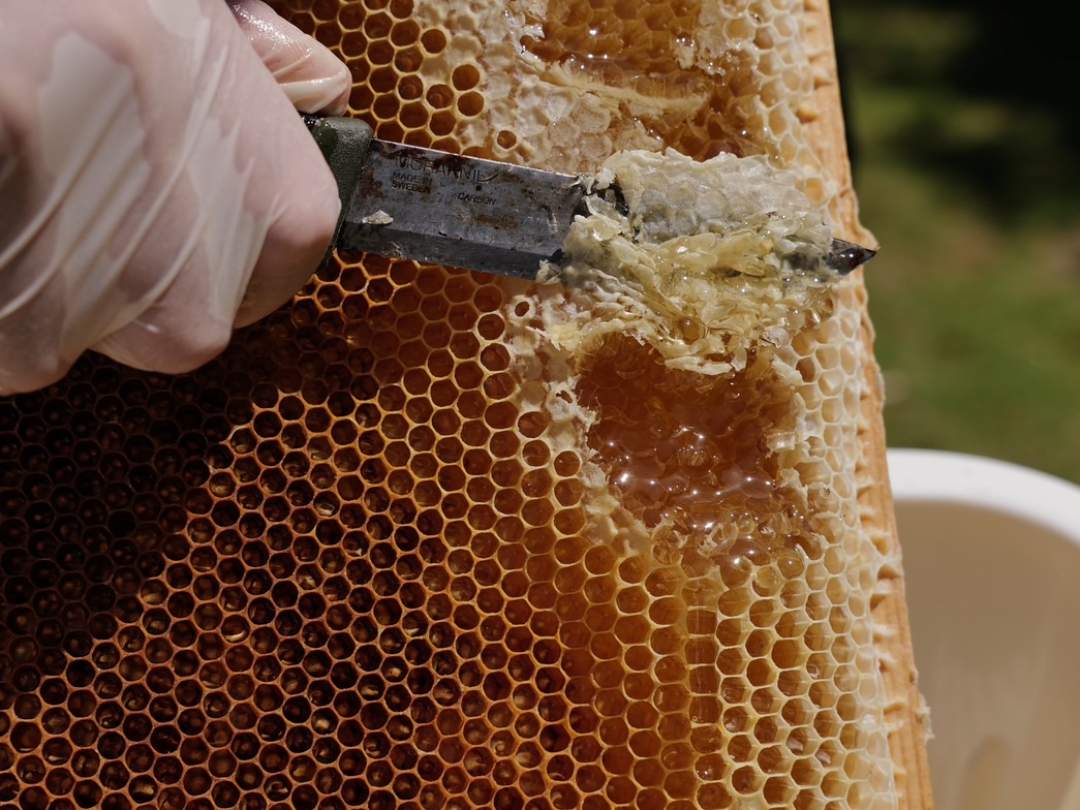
[652, 52]
[406, 544]
[615, 39]
[685, 449]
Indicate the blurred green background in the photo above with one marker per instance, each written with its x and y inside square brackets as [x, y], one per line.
[964, 125]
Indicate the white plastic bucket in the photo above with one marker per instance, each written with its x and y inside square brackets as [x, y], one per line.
[992, 559]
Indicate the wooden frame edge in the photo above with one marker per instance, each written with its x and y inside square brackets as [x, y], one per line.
[905, 712]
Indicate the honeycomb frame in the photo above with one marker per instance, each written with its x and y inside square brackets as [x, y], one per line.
[343, 565]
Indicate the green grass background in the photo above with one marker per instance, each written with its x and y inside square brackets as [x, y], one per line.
[963, 128]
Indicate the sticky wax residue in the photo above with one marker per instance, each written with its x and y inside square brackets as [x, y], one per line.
[730, 245]
[681, 87]
[616, 41]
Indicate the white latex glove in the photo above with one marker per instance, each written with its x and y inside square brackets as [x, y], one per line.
[156, 185]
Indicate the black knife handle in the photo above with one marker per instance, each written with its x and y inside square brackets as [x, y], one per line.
[345, 143]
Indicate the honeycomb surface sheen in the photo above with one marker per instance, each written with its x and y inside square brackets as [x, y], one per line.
[377, 555]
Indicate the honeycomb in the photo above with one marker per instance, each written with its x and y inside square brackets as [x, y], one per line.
[401, 547]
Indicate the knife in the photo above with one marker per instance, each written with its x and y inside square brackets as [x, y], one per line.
[414, 203]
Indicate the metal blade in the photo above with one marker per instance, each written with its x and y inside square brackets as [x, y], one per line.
[437, 207]
[847, 256]
[430, 206]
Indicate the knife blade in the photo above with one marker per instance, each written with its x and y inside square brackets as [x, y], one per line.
[416, 203]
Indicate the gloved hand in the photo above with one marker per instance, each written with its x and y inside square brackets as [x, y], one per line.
[156, 185]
